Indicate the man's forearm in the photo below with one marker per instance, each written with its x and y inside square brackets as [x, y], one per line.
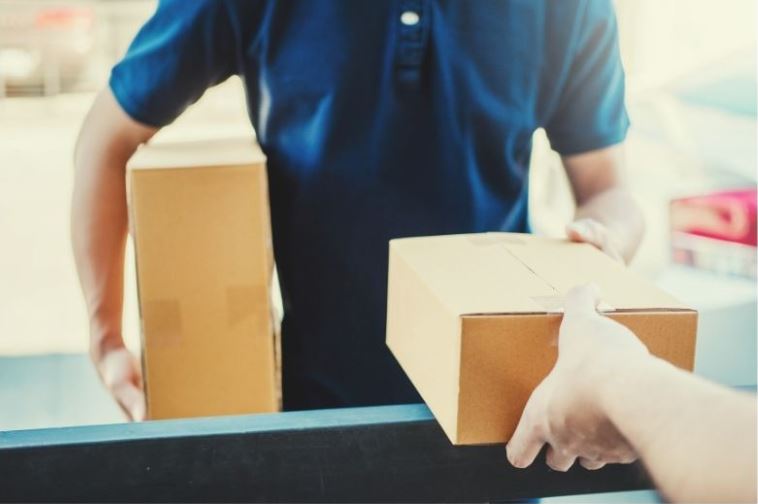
[98, 229]
[663, 412]
[99, 214]
[619, 213]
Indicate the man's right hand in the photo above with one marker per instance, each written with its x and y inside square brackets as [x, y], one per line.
[120, 372]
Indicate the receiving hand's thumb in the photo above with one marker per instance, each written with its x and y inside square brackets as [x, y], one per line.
[582, 300]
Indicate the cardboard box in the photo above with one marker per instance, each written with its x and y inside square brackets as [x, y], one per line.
[473, 321]
[199, 216]
[728, 216]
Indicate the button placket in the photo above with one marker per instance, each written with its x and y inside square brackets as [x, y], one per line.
[413, 27]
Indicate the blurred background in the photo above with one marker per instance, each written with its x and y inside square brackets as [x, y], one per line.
[691, 95]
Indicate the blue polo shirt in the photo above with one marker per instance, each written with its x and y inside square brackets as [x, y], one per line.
[381, 119]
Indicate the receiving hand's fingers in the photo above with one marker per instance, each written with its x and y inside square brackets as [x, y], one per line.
[558, 460]
[582, 300]
[527, 440]
[622, 456]
[591, 465]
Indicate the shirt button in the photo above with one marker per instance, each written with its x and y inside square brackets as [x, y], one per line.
[409, 18]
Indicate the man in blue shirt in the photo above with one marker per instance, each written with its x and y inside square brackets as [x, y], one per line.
[380, 119]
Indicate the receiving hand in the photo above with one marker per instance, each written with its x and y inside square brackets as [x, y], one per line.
[565, 411]
[595, 233]
[121, 374]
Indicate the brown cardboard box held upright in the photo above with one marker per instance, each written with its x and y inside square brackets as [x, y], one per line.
[199, 216]
[473, 321]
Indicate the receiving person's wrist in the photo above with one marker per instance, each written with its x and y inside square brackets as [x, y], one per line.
[624, 374]
[604, 374]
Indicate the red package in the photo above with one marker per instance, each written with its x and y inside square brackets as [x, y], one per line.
[728, 216]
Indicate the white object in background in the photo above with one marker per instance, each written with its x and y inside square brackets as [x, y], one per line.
[726, 336]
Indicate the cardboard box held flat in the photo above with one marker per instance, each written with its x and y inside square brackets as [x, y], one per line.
[473, 321]
[199, 217]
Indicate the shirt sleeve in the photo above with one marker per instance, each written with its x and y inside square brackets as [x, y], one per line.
[183, 49]
[591, 113]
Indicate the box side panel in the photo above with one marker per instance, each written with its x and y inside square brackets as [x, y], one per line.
[132, 219]
[267, 244]
[425, 339]
[668, 335]
[503, 358]
[202, 243]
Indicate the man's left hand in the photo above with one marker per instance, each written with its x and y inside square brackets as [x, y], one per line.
[595, 233]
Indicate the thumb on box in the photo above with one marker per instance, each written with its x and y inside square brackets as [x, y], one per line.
[582, 299]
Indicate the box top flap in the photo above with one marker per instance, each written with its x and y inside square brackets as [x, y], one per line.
[196, 154]
[492, 273]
